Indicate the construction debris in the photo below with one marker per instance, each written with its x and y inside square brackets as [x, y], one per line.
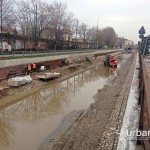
[18, 81]
[48, 75]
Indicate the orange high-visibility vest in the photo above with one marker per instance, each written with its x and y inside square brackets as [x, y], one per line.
[29, 68]
[34, 66]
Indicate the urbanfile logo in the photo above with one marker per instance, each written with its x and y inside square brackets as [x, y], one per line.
[131, 135]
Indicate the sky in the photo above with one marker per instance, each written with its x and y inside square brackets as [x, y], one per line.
[125, 16]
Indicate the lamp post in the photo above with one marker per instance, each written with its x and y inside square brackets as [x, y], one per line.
[1, 24]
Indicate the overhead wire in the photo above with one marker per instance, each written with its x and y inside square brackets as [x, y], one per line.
[115, 21]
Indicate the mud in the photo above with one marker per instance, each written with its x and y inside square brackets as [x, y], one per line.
[87, 132]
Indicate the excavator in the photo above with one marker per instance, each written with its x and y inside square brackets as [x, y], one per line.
[110, 61]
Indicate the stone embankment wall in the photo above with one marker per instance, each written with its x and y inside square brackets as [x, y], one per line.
[11, 69]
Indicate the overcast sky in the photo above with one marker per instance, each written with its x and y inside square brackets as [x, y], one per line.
[125, 16]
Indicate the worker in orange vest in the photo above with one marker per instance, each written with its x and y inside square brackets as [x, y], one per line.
[34, 67]
[28, 69]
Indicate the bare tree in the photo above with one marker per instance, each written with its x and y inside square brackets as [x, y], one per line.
[34, 15]
[25, 18]
[60, 19]
[41, 14]
[93, 36]
[30, 15]
[101, 37]
[8, 18]
[82, 30]
[109, 36]
[120, 42]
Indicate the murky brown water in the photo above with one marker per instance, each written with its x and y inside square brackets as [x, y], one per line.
[26, 124]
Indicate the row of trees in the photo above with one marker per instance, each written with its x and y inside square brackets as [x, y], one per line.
[32, 16]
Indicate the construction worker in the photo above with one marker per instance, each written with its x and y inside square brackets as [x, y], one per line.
[34, 67]
[28, 69]
[42, 69]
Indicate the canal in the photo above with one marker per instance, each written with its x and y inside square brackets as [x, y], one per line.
[26, 124]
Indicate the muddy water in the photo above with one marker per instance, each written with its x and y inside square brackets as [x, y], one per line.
[26, 124]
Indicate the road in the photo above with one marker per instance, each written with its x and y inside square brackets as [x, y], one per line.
[46, 52]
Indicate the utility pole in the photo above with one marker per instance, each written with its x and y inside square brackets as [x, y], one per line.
[25, 38]
[76, 34]
[97, 34]
[1, 24]
[36, 26]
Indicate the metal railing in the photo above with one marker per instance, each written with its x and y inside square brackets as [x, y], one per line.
[144, 101]
[41, 52]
